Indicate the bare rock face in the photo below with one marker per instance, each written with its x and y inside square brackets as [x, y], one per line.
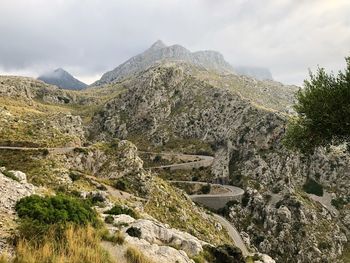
[290, 224]
[159, 242]
[119, 160]
[29, 89]
[11, 191]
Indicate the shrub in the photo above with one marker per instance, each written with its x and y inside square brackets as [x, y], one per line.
[96, 198]
[134, 232]
[313, 187]
[245, 199]
[157, 158]
[59, 209]
[205, 189]
[102, 187]
[45, 152]
[195, 178]
[118, 210]
[121, 184]
[81, 150]
[225, 254]
[109, 219]
[75, 176]
[226, 209]
[339, 203]
[134, 255]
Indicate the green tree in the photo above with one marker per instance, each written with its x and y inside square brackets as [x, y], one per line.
[323, 112]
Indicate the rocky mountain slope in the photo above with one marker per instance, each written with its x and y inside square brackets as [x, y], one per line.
[62, 79]
[180, 229]
[159, 51]
[173, 104]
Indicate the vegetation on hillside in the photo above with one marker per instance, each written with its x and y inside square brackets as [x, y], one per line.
[170, 206]
[40, 214]
[323, 109]
[77, 244]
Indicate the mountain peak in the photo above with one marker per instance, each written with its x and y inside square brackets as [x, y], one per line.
[60, 70]
[158, 45]
[62, 79]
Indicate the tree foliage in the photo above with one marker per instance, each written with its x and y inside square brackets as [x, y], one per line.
[323, 112]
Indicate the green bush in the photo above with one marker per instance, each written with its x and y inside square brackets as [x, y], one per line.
[339, 203]
[134, 232]
[224, 254]
[205, 189]
[157, 158]
[121, 184]
[118, 210]
[75, 176]
[58, 209]
[313, 187]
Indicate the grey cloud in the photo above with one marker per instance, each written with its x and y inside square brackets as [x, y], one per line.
[90, 37]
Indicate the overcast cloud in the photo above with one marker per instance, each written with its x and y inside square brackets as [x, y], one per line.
[89, 37]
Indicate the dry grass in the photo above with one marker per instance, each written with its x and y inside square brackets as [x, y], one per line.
[117, 237]
[76, 245]
[134, 255]
[4, 258]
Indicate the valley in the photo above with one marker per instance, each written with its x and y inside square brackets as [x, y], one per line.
[182, 160]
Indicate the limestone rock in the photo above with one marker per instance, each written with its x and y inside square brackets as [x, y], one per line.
[11, 191]
[157, 233]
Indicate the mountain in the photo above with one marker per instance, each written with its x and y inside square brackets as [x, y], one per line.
[62, 79]
[180, 107]
[255, 72]
[119, 146]
[208, 59]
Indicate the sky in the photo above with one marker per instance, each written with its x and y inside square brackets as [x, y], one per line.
[90, 37]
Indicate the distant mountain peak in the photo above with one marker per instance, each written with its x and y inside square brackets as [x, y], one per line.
[61, 78]
[159, 52]
[60, 70]
[158, 45]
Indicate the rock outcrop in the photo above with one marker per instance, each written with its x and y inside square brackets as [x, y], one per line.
[293, 225]
[13, 187]
[159, 234]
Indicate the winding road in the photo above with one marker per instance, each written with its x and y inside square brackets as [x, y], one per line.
[214, 201]
[190, 161]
